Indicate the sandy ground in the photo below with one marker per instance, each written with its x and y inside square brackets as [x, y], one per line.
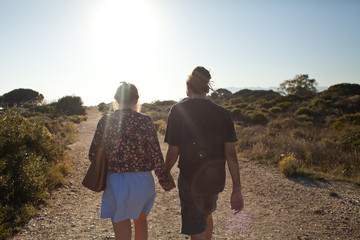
[275, 207]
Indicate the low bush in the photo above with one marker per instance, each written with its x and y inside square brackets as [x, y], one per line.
[77, 118]
[348, 137]
[304, 111]
[160, 126]
[275, 110]
[155, 116]
[105, 108]
[255, 117]
[304, 118]
[64, 133]
[236, 114]
[285, 123]
[283, 105]
[238, 100]
[31, 163]
[241, 105]
[347, 119]
[289, 166]
[325, 150]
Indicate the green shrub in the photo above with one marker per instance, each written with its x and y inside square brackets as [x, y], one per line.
[304, 111]
[70, 105]
[285, 123]
[236, 114]
[157, 110]
[347, 119]
[348, 136]
[105, 108]
[64, 133]
[304, 118]
[267, 104]
[160, 126]
[46, 108]
[289, 166]
[241, 105]
[275, 110]
[28, 153]
[255, 117]
[238, 100]
[155, 116]
[77, 118]
[283, 105]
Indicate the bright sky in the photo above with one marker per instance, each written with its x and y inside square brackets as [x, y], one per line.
[87, 47]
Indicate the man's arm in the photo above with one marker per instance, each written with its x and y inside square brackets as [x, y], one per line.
[171, 157]
[237, 202]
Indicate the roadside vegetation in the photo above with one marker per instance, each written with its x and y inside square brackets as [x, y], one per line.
[33, 161]
[299, 130]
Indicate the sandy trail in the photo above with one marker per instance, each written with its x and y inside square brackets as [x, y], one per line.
[275, 207]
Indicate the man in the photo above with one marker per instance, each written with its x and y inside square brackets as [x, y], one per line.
[202, 133]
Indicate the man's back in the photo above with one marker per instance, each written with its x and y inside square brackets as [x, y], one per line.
[200, 128]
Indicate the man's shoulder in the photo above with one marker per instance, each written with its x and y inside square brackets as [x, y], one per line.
[180, 105]
[219, 108]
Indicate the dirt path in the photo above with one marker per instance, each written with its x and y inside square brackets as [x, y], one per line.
[275, 207]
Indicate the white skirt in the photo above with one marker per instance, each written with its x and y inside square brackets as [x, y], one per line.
[127, 195]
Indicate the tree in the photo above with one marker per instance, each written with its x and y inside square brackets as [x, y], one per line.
[221, 93]
[70, 105]
[21, 96]
[300, 85]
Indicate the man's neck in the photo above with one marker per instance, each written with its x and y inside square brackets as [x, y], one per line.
[198, 96]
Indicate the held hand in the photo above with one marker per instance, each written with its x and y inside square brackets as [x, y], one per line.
[169, 183]
[237, 202]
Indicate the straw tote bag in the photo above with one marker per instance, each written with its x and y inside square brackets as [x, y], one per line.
[95, 178]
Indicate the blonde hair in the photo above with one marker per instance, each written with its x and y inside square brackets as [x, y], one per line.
[126, 94]
[199, 80]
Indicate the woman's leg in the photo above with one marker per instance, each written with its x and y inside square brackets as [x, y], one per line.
[122, 229]
[141, 229]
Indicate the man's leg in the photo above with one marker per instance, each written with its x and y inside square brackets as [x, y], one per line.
[210, 227]
[207, 234]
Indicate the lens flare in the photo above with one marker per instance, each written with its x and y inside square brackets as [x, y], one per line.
[240, 222]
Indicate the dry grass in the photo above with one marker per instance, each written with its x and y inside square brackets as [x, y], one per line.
[318, 151]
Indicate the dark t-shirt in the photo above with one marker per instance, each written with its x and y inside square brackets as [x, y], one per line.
[200, 128]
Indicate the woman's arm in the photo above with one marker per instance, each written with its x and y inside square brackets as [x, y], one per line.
[165, 180]
[98, 137]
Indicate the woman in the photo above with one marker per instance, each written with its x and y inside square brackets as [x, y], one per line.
[133, 151]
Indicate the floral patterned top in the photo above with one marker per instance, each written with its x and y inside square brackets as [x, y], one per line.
[131, 143]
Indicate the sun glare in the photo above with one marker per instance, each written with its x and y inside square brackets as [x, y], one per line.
[126, 37]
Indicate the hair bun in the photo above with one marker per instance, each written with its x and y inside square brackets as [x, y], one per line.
[202, 75]
[199, 80]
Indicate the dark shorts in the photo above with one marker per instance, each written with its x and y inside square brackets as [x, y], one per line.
[195, 207]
